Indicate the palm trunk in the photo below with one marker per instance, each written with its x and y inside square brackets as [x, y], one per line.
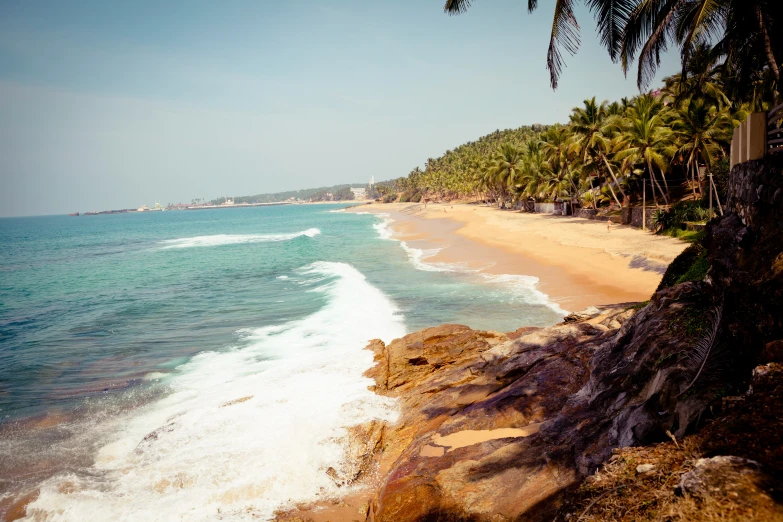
[592, 191]
[614, 195]
[773, 64]
[652, 177]
[694, 168]
[668, 194]
[614, 177]
[652, 186]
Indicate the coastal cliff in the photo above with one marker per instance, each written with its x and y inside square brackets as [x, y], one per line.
[666, 409]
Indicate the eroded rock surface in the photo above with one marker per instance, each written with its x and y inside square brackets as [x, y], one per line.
[496, 429]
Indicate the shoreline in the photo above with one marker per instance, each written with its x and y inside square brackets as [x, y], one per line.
[578, 263]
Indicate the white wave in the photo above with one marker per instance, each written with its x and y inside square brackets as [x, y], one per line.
[383, 229]
[234, 239]
[415, 255]
[527, 287]
[282, 277]
[248, 431]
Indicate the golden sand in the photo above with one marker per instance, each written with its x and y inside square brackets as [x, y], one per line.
[578, 262]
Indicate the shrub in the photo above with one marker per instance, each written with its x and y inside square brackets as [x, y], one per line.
[690, 265]
[697, 271]
[678, 215]
[410, 196]
[389, 198]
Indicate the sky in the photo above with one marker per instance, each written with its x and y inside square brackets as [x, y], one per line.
[107, 105]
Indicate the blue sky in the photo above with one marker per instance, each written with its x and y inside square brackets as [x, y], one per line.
[117, 104]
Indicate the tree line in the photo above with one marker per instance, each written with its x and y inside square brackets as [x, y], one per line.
[667, 141]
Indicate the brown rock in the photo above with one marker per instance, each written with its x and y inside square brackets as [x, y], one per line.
[14, 508]
[773, 352]
[587, 386]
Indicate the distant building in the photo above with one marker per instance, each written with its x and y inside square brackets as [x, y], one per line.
[359, 193]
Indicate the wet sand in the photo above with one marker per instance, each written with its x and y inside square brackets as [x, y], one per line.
[578, 262]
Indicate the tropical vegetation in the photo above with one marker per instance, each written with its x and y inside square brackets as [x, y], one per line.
[661, 146]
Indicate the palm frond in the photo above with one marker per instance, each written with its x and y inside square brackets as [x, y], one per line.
[697, 24]
[649, 27]
[611, 17]
[705, 356]
[565, 34]
[455, 7]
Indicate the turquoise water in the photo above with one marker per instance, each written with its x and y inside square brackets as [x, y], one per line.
[118, 324]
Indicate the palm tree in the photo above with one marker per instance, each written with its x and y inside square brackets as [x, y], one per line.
[507, 168]
[702, 75]
[593, 138]
[703, 131]
[535, 179]
[646, 139]
[610, 16]
[560, 150]
[742, 30]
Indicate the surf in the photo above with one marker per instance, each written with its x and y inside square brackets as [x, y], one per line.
[247, 431]
[234, 239]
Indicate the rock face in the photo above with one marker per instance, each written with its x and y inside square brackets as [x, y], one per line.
[499, 429]
[746, 259]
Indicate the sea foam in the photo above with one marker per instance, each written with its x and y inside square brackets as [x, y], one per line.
[527, 287]
[416, 256]
[234, 239]
[247, 431]
[524, 286]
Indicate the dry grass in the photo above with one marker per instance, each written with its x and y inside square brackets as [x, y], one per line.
[617, 492]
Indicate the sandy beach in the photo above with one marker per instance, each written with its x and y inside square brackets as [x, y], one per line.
[578, 262]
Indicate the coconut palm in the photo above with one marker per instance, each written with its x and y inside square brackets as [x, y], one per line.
[593, 134]
[557, 145]
[741, 29]
[610, 16]
[646, 140]
[507, 169]
[703, 131]
[536, 173]
[702, 75]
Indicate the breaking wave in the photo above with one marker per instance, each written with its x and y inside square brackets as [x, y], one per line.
[234, 239]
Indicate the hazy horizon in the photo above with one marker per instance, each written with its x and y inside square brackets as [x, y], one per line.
[114, 106]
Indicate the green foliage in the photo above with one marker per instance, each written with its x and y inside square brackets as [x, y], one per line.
[661, 220]
[672, 222]
[697, 271]
[343, 194]
[682, 265]
[689, 236]
[720, 176]
[389, 198]
[410, 196]
[316, 194]
[691, 321]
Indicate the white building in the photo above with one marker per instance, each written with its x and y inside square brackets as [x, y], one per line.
[359, 193]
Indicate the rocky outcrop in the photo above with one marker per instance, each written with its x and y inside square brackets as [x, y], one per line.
[499, 429]
[502, 427]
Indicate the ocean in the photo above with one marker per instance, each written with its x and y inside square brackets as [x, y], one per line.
[196, 365]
